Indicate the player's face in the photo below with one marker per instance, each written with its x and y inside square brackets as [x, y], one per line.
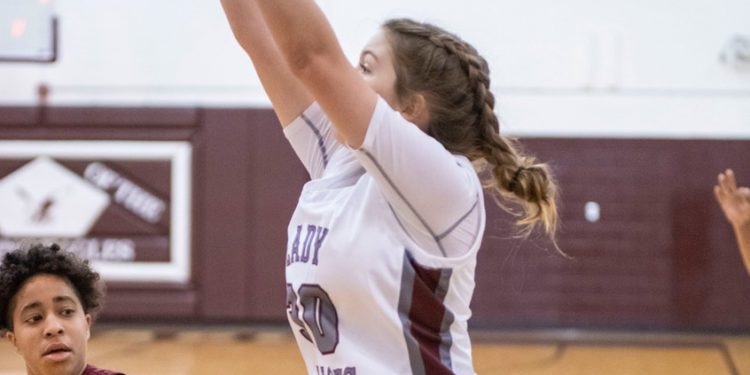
[50, 329]
[376, 67]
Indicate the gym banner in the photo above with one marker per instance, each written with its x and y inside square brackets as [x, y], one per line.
[124, 205]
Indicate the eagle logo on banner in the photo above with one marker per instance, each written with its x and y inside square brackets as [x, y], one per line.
[43, 198]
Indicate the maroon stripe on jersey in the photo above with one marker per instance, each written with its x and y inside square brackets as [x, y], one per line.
[425, 319]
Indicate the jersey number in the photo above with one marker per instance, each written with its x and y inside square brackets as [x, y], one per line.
[318, 316]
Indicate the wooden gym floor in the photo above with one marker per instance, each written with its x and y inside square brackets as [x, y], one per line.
[247, 350]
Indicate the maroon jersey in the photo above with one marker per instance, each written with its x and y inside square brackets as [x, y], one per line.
[91, 370]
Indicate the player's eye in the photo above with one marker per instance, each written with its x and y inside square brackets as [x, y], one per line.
[33, 319]
[68, 312]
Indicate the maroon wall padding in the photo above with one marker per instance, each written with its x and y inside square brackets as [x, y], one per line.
[249, 187]
[661, 256]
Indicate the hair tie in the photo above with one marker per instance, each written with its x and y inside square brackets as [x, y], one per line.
[514, 180]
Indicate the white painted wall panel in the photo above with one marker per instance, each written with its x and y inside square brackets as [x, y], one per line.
[580, 67]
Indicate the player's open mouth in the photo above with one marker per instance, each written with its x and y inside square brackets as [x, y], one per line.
[57, 352]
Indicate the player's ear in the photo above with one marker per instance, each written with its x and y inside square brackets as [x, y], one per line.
[11, 337]
[415, 111]
[88, 326]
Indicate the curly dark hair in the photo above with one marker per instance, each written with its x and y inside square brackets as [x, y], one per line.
[20, 265]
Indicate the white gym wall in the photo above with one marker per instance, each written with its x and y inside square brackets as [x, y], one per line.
[577, 68]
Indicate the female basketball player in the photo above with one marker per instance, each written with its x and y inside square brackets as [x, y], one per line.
[735, 202]
[382, 246]
[47, 298]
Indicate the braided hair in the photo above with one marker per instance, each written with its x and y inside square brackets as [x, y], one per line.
[455, 81]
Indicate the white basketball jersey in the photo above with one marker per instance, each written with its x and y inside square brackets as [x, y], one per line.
[382, 250]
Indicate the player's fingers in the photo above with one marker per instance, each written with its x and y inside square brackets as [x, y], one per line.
[744, 192]
[730, 180]
[724, 182]
[721, 182]
[720, 194]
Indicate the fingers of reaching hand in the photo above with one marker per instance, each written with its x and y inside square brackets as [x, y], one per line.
[727, 192]
[734, 201]
[723, 190]
[719, 193]
[727, 181]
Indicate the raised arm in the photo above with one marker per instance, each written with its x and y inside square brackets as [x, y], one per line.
[314, 56]
[288, 95]
[735, 202]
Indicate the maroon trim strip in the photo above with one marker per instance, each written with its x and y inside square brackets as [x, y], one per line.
[426, 315]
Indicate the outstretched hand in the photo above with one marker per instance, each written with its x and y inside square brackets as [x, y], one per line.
[734, 201]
